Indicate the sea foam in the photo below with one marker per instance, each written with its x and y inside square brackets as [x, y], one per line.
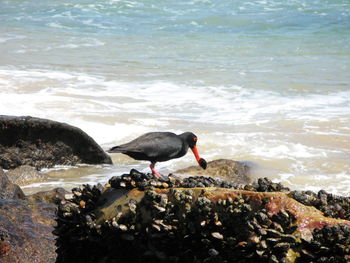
[232, 122]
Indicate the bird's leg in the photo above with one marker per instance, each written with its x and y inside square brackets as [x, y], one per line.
[154, 171]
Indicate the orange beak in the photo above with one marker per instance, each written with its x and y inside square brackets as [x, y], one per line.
[202, 163]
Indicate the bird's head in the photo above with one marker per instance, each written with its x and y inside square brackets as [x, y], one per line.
[191, 140]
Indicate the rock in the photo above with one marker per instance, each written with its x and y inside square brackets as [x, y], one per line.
[230, 170]
[54, 196]
[331, 205]
[45, 143]
[26, 232]
[138, 215]
[25, 227]
[8, 190]
[25, 175]
[266, 185]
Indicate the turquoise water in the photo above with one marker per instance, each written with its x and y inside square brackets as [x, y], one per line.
[266, 82]
[289, 45]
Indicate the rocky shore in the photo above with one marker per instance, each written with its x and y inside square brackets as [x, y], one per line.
[217, 215]
[27, 145]
[200, 219]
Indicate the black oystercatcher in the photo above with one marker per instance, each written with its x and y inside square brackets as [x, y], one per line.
[160, 147]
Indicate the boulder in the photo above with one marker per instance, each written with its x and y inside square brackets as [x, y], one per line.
[139, 218]
[45, 143]
[25, 175]
[25, 227]
[54, 196]
[8, 190]
[230, 170]
[26, 232]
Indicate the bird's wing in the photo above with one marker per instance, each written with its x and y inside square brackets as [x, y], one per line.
[158, 145]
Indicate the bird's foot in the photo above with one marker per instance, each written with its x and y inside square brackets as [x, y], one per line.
[156, 174]
[154, 171]
[160, 177]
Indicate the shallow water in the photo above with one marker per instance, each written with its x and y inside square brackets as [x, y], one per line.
[266, 82]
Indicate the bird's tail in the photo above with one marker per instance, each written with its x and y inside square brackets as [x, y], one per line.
[115, 149]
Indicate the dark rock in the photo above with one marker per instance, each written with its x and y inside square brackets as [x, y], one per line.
[54, 196]
[329, 244]
[331, 205]
[8, 190]
[273, 233]
[45, 143]
[273, 259]
[230, 170]
[266, 185]
[26, 232]
[145, 221]
[289, 239]
[213, 252]
[25, 175]
[282, 247]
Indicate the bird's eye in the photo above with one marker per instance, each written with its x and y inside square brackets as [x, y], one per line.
[195, 139]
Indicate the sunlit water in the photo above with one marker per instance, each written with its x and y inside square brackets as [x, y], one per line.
[266, 82]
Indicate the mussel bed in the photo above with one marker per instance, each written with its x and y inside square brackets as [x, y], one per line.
[200, 219]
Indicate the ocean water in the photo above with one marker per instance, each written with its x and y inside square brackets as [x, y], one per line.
[266, 82]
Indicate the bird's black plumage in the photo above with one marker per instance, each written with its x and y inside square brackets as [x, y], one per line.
[156, 146]
[160, 147]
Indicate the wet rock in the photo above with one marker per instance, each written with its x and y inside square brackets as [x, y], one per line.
[230, 170]
[45, 143]
[213, 252]
[148, 222]
[54, 196]
[8, 190]
[217, 235]
[329, 244]
[26, 232]
[25, 227]
[331, 205]
[266, 185]
[25, 175]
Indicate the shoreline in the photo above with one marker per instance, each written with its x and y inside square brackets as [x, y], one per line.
[325, 213]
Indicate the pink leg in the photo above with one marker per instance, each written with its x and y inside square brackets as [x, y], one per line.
[154, 171]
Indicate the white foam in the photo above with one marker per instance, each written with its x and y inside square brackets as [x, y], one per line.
[332, 183]
[81, 43]
[91, 22]
[218, 105]
[58, 168]
[54, 184]
[111, 134]
[232, 122]
[210, 104]
[57, 25]
[9, 37]
[151, 122]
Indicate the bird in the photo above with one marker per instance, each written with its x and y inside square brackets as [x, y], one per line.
[160, 147]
